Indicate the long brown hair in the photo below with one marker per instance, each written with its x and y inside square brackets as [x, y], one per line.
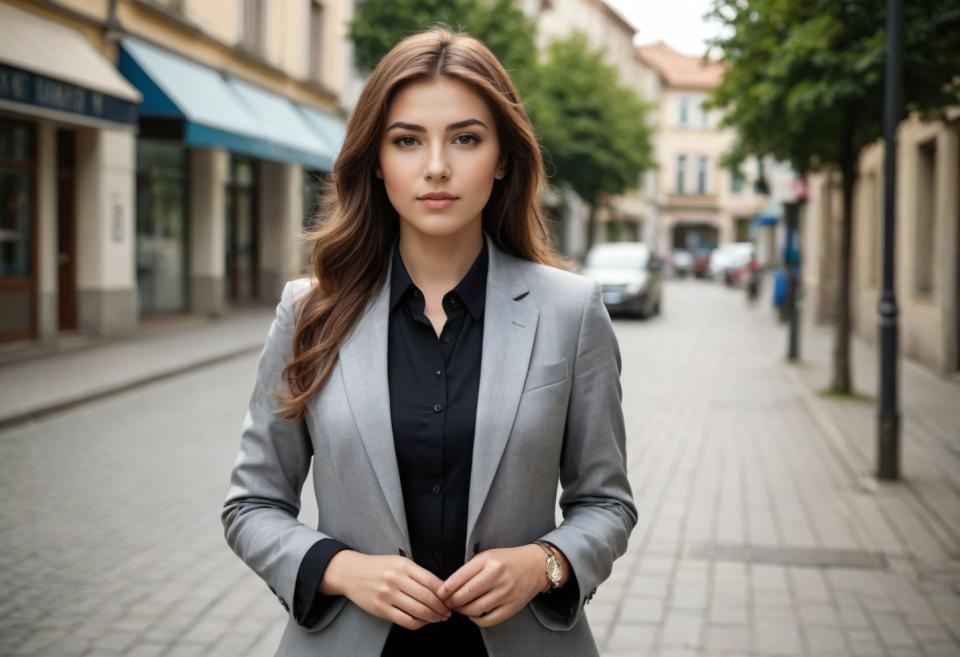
[350, 248]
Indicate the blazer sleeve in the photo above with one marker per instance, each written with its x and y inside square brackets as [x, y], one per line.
[260, 512]
[596, 500]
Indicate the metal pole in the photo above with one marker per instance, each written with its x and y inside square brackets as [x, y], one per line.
[791, 213]
[888, 444]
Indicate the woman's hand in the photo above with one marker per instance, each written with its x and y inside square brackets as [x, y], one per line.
[500, 581]
[390, 587]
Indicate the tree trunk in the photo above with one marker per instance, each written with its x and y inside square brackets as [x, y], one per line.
[591, 224]
[842, 374]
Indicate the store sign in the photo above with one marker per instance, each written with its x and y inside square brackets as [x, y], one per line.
[28, 88]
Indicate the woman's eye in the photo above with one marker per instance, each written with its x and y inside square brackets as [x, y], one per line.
[401, 141]
[467, 137]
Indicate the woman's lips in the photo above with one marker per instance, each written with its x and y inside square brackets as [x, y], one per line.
[437, 203]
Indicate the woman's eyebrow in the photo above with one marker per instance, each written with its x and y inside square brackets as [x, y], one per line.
[419, 128]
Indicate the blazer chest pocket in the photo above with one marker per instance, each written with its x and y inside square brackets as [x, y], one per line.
[544, 375]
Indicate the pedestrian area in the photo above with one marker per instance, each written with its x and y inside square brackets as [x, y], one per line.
[761, 532]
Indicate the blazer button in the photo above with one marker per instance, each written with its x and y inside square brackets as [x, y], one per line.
[436, 489]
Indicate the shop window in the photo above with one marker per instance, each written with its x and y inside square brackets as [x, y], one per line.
[925, 253]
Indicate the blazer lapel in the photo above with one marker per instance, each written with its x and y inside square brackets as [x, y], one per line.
[363, 364]
[509, 327]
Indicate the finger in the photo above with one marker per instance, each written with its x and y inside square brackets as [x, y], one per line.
[415, 608]
[471, 590]
[426, 578]
[403, 619]
[426, 597]
[463, 574]
[493, 617]
[486, 602]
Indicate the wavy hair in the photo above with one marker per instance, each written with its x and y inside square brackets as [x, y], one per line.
[350, 245]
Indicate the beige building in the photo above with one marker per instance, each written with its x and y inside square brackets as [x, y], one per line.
[161, 155]
[927, 254]
[607, 31]
[699, 203]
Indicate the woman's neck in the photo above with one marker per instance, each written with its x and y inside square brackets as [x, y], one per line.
[437, 264]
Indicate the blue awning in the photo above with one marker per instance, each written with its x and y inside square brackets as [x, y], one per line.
[220, 111]
[764, 220]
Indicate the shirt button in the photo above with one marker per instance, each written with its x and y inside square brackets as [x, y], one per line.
[437, 556]
[453, 301]
[438, 374]
[436, 489]
[437, 408]
[416, 293]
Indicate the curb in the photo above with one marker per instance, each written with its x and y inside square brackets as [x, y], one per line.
[72, 402]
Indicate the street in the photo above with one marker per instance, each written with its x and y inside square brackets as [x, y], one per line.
[756, 536]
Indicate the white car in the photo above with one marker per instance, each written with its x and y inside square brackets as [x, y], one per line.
[728, 258]
[629, 276]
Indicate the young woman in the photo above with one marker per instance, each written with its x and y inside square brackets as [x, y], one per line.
[442, 376]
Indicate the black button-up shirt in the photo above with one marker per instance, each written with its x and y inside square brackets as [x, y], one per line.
[434, 382]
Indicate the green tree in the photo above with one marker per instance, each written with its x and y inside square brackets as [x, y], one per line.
[378, 25]
[595, 132]
[805, 84]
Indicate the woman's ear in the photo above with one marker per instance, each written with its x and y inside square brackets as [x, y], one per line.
[501, 170]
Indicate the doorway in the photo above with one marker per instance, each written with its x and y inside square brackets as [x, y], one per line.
[241, 234]
[66, 231]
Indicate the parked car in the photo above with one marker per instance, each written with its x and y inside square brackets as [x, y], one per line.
[729, 262]
[630, 276]
[681, 263]
[701, 262]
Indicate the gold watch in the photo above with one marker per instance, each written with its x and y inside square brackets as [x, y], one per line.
[554, 569]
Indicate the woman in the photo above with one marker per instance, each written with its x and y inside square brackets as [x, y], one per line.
[441, 375]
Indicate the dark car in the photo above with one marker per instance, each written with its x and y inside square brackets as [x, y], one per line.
[630, 276]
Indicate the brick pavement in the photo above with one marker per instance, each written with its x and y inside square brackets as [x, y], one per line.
[758, 533]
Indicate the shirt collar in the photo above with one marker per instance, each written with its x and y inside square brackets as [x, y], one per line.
[471, 290]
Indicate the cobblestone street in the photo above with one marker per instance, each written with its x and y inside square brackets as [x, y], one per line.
[760, 532]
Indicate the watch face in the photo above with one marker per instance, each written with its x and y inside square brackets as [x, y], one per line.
[553, 569]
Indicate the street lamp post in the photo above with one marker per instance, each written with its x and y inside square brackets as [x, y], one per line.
[888, 444]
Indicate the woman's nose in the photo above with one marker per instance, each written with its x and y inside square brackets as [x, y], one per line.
[437, 166]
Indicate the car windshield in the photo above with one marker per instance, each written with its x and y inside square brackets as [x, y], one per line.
[617, 258]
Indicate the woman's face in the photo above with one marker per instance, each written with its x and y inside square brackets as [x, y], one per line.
[439, 137]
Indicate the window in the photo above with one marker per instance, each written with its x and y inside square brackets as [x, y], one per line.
[681, 169]
[172, 5]
[702, 174]
[704, 117]
[315, 46]
[925, 254]
[736, 180]
[252, 32]
[872, 218]
[684, 114]
[17, 179]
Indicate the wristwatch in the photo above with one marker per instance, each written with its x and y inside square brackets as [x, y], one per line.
[554, 569]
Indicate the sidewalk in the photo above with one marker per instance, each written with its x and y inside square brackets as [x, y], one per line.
[761, 529]
[32, 388]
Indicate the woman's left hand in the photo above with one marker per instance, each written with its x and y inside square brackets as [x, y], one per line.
[500, 581]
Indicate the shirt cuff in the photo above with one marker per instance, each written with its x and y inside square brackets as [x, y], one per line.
[308, 602]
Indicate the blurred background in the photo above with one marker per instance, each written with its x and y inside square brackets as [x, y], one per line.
[788, 309]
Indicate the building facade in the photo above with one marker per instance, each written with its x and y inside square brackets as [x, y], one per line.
[608, 32]
[159, 156]
[700, 204]
[927, 243]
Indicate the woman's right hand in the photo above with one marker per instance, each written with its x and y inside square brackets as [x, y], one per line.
[390, 587]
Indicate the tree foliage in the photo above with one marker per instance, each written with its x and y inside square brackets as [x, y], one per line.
[595, 132]
[806, 84]
[806, 76]
[378, 25]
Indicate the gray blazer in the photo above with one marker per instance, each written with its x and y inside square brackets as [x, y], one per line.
[549, 406]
